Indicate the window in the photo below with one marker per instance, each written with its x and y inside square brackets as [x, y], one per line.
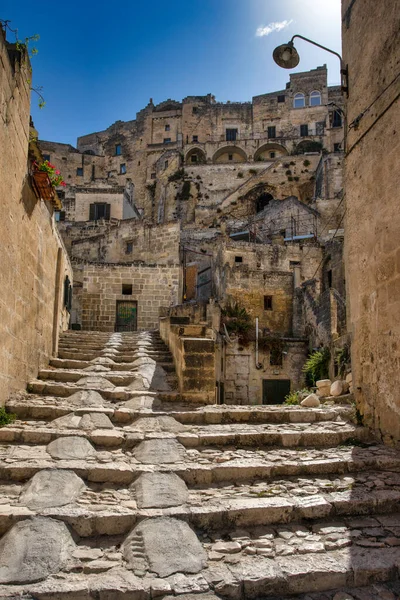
[195, 110]
[303, 130]
[79, 171]
[118, 150]
[193, 158]
[129, 248]
[167, 127]
[195, 138]
[230, 156]
[122, 169]
[238, 259]
[59, 215]
[46, 157]
[231, 135]
[167, 140]
[267, 302]
[281, 98]
[99, 210]
[272, 131]
[272, 154]
[138, 163]
[336, 119]
[109, 174]
[299, 101]
[337, 147]
[153, 176]
[315, 98]
[275, 357]
[127, 289]
[166, 165]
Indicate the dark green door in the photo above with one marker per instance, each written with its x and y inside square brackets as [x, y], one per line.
[275, 390]
[126, 319]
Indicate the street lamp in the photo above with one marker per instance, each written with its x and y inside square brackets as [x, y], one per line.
[287, 57]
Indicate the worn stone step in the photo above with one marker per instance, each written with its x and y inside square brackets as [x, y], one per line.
[270, 562]
[59, 363]
[104, 509]
[121, 378]
[287, 435]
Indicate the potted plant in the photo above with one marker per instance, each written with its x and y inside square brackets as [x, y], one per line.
[46, 177]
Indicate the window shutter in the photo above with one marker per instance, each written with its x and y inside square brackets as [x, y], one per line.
[92, 212]
[107, 212]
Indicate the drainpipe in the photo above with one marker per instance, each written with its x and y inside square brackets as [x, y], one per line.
[258, 364]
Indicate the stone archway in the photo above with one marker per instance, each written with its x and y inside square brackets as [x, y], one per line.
[270, 151]
[229, 154]
[195, 156]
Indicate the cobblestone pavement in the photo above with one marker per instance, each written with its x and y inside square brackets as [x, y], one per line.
[112, 487]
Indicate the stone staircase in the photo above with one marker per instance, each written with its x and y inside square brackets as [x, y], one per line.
[112, 487]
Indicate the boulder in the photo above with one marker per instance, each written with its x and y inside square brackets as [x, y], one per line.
[323, 387]
[312, 401]
[160, 490]
[339, 387]
[49, 488]
[170, 546]
[34, 549]
[71, 448]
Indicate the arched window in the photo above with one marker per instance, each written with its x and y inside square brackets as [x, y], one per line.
[315, 98]
[299, 101]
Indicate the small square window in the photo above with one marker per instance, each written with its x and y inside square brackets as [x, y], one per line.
[167, 140]
[281, 98]
[230, 156]
[129, 248]
[166, 165]
[153, 176]
[195, 110]
[272, 132]
[79, 171]
[275, 357]
[231, 135]
[46, 157]
[303, 130]
[167, 127]
[127, 289]
[195, 138]
[272, 154]
[122, 169]
[238, 259]
[267, 302]
[193, 158]
[337, 147]
[118, 150]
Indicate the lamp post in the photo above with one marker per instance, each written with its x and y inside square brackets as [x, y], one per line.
[287, 57]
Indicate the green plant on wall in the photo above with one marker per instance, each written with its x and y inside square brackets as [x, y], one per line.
[237, 320]
[317, 366]
[5, 417]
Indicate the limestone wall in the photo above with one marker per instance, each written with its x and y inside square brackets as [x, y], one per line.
[153, 287]
[372, 182]
[243, 381]
[32, 257]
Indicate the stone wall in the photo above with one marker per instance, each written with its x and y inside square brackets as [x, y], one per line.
[33, 260]
[153, 287]
[243, 375]
[372, 182]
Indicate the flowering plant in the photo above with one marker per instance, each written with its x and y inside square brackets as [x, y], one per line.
[53, 173]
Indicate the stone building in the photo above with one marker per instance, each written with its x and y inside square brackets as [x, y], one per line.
[372, 249]
[199, 201]
[35, 269]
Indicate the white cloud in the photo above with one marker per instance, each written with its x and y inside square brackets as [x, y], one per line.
[271, 27]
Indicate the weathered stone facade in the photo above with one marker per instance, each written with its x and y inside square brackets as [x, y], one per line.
[372, 249]
[34, 262]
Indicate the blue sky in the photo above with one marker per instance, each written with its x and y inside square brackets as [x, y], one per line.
[99, 62]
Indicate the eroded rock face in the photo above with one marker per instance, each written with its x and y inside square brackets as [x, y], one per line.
[160, 490]
[70, 448]
[152, 452]
[170, 547]
[49, 488]
[34, 549]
